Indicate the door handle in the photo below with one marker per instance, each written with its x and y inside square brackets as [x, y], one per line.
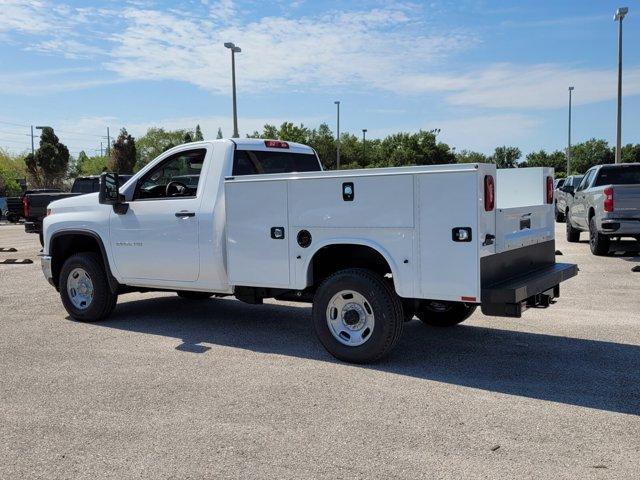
[185, 214]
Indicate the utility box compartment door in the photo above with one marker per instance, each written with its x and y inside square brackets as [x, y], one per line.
[257, 227]
[449, 269]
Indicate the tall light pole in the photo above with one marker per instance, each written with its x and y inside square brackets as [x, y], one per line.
[618, 17]
[337, 102]
[364, 146]
[234, 50]
[33, 150]
[569, 134]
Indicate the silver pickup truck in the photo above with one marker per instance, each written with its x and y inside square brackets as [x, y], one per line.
[561, 196]
[606, 203]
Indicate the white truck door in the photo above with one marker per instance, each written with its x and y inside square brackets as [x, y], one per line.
[157, 239]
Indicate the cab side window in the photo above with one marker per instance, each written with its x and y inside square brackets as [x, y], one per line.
[175, 177]
[586, 180]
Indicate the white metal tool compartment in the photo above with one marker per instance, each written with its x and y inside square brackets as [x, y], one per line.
[256, 254]
[448, 269]
[384, 201]
[523, 217]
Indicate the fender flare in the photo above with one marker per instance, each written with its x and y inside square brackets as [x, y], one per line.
[113, 283]
[351, 241]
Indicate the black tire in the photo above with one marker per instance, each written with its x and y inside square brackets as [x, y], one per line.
[444, 314]
[573, 234]
[383, 302]
[559, 215]
[41, 238]
[104, 300]
[598, 243]
[194, 295]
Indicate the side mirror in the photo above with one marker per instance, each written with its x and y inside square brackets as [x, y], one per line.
[570, 189]
[109, 193]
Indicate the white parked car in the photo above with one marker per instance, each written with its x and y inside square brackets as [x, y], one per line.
[259, 219]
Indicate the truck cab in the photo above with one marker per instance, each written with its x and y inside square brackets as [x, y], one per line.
[260, 219]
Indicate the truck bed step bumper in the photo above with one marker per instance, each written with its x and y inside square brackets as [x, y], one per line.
[536, 288]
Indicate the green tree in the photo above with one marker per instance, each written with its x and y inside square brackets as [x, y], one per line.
[403, 149]
[156, 141]
[468, 156]
[587, 154]
[557, 160]
[324, 143]
[197, 136]
[95, 165]
[123, 153]
[47, 168]
[506, 157]
[631, 153]
[12, 168]
[187, 138]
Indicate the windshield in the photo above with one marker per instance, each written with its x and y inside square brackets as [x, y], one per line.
[575, 180]
[251, 162]
[618, 175]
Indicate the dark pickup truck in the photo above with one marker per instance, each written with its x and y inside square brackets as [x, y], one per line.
[35, 203]
[15, 205]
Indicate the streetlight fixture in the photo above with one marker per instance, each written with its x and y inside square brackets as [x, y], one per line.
[618, 17]
[337, 102]
[364, 146]
[569, 138]
[234, 49]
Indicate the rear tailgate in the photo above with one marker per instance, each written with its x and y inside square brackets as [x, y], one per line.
[522, 271]
[626, 201]
[524, 213]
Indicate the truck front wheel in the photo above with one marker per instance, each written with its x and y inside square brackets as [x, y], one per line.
[357, 315]
[444, 314]
[84, 288]
[598, 243]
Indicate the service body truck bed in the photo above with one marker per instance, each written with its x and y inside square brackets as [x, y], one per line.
[410, 216]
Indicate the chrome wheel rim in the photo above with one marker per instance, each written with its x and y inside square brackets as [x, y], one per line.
[80, 288]
[350, 318]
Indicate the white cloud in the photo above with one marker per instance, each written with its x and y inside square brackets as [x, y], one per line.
[365, 49]
[540, 86]
[382, 49]
[484, 133]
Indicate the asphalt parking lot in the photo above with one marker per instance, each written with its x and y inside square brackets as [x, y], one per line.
[170, 388]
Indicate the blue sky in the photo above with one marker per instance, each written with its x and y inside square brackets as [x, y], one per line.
[486, 73]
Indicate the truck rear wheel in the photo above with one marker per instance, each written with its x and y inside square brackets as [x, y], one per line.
[84, 288]
[598, 243]
[573, 234]
[357, 316]
[189, 295]
[444, 314]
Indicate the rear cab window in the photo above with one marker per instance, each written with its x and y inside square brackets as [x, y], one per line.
[256, 162]
[618, 175]
[85, 185]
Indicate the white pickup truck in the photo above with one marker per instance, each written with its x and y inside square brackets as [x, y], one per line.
[259, 219]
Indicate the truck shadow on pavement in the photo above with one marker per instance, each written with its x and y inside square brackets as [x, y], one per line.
[588, 373]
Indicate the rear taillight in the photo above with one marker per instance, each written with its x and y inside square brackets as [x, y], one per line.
[608, 199]
[549, 190]
[25, 207]
[275, 144]
[489, 193]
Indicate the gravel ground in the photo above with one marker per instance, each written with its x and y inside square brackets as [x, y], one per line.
[170, 388]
